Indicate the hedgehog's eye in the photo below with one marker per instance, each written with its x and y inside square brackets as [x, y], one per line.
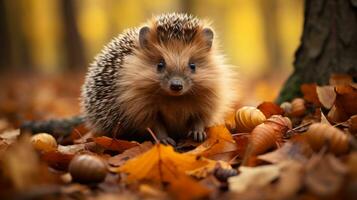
[161, 65]
[192, 66]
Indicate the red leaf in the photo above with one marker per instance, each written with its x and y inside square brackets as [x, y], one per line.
[270, 108]
[114, 144]
[57, 159]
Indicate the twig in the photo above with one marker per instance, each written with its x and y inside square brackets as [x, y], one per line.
[153, 135]
[295, 130]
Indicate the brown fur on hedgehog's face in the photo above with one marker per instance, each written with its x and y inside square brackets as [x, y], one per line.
[178, 62]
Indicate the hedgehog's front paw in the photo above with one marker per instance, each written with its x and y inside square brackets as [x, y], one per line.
[168, 141]
[198, 135]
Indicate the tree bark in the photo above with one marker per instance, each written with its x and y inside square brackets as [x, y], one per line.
[328, 45]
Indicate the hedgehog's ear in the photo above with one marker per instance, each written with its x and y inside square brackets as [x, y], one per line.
[208, 36]
[144, 36]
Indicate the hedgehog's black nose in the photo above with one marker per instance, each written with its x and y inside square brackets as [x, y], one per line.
[176, 85]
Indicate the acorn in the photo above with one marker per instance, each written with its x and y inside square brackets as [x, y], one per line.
[298, 107]
[269, 134]
[43, 142]
[87, 169]
[286, 106]
[319, 135]
[247, 118]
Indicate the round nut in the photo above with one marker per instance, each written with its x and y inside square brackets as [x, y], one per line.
[87, 169]
[286, 106]
[298, 107]
[43, 142]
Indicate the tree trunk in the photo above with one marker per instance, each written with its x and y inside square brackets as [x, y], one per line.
[328, 45]
[74, 46]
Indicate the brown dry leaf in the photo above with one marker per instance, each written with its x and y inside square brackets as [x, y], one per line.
[352, 123]
[57, 159]
[340, 79]
[10, 136]
[160, 163]
[128, 154]
[346, 100]
[114, 144]
[22, 166]
[253, 177]
[326, 95]
[220, 145]
[310, 93]
[324, 175]
[290, 180]
[336, 115]
[289, 151]
[270, 108]
[324, 120]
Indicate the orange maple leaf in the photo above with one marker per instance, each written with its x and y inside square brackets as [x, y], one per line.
[160, 163]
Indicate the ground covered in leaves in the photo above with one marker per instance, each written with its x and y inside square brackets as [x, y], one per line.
[303, 149]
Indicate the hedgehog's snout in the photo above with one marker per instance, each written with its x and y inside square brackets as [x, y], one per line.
[176, 84]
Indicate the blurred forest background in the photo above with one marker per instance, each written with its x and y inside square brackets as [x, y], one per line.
[46, 45]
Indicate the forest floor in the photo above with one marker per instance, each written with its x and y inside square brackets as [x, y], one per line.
[302, 149]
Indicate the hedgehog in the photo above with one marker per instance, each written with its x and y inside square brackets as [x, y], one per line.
[167, 75]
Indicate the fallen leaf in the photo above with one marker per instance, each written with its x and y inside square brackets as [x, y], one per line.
[352, 123]
[184, 187]
[160, 163]
[253, 177]
[289, 151]
[149, 191]
[220, 145]
[128, 154]
[290, 180]
[326, 95]
[310, 94]
[270, 108]
[336, 115]
[212, 165]
[324, 175]
[340, 79]
[324, 120]
[21, 165]
[57, 159]
[346, 100]
[10, 136]
[114, 144]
